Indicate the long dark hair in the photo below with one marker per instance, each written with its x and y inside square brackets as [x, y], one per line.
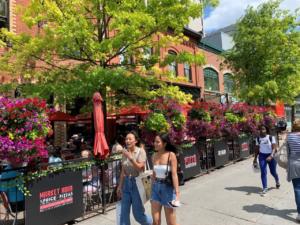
[169, 146]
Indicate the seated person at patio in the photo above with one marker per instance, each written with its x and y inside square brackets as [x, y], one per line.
[55, 155]
[90, 175]
[117, 147]
[8, 184]
[70, 145]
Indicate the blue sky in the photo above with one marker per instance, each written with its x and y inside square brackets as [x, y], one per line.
[229, 11]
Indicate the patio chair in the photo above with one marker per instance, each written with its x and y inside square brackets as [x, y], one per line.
[9, 212]
[93, 191]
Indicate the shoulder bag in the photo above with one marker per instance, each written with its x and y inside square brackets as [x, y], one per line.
[281, 156]
[144, 183]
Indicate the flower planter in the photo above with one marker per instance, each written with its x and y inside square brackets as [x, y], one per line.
[55, 199]
[244, 146]
[189, 162]
[221, 152]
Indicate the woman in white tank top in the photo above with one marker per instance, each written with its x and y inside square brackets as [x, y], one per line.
[164, 194]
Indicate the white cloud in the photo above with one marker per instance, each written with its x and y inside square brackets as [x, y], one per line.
[229, 11]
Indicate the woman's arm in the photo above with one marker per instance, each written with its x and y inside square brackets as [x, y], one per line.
[256, 151]
[137, 165]
[174, 174]
[274, 146]
[153, 163]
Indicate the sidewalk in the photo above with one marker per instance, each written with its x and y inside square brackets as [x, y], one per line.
[228, 196]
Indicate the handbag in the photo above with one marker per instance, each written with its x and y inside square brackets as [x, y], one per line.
[144, 183]
[169, 178]
[281, 156]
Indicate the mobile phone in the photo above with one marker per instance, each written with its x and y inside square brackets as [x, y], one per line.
[174, 203]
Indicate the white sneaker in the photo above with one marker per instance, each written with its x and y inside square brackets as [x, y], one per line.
[298, 218]
[264, 191]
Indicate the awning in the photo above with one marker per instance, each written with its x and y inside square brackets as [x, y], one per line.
[61, 116]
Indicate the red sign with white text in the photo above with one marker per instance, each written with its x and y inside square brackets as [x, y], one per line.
[55, 198]
[190, 161]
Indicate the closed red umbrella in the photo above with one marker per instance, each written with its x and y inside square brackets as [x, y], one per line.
[100, 143]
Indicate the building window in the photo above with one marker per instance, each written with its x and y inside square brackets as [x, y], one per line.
[147, 53]
[188, 72]
[124, 58]
[211, 80]
[228, 83]
[4, 14]
[173, 65]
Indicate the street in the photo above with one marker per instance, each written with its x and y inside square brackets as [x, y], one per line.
[228, 196]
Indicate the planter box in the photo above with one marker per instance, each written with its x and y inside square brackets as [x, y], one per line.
[189, 162]
[55, 199]
[221, 152]
[244, 146]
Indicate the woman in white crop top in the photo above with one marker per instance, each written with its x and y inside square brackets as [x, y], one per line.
[164, 194]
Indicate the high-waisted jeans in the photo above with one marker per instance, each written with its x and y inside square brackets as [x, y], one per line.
[262, 158]
[130, 196]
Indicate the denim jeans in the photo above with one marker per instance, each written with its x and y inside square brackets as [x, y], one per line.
[130, 196]
[296, 185]
[262, 158]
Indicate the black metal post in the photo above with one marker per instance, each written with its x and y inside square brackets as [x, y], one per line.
[102, 167]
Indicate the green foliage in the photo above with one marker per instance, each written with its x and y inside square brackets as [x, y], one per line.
[199, 114]
[178, 120]
[77, 50]
[157, 122]
[232, 118]
[266, 55]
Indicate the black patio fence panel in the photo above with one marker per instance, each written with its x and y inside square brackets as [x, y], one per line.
[189, 161]
[83, 188]
[206, 154]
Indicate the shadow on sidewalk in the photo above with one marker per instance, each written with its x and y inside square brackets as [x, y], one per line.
[248, 189]
[266, 210]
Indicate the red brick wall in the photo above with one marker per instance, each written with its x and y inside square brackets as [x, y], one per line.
[213, 60]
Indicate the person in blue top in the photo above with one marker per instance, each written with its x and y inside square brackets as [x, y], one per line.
[9, 185]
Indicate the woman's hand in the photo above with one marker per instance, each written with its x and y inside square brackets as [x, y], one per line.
[269, 158]
[255, 165]
[127, 154]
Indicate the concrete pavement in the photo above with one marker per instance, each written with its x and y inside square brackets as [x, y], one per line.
[228, 196]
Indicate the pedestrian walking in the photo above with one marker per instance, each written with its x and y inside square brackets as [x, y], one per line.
[265, 150]
[293, 163]
[133, 162]
[164, 194]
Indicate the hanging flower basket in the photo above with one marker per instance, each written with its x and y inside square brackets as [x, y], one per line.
[24, 125]
[166, 116]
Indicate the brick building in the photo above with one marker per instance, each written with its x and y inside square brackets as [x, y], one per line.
[208, 81]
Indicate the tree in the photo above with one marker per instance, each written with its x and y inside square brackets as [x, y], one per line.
[85, 45]
[266, 55]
